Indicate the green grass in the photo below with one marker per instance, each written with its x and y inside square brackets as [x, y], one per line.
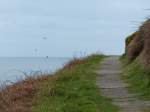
[73, 89]
[138, 79]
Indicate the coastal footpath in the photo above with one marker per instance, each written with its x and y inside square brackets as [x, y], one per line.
[110, 82]
[95, 83]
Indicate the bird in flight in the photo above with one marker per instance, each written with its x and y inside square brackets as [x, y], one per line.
[45, 38]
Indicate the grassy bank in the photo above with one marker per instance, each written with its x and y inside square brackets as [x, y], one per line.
[73, 89]
[138, 79]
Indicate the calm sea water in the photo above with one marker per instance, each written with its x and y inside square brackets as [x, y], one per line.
[12, 69]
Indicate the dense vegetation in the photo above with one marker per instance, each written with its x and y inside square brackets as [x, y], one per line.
[73, 89]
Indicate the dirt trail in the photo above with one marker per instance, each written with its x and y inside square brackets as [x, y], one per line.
[110, 84]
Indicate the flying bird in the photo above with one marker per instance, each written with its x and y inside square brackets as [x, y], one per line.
[45, 38]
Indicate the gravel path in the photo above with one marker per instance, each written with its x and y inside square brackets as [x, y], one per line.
[110, 84]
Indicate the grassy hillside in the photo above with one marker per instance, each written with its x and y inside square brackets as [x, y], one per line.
[70, 89]
[138, 79]
[73, 89]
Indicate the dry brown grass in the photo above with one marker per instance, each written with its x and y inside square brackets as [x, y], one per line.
[135, 47]
[138, 45]
[145, 33]
[130, 38]
[73, 62]
[18, 97]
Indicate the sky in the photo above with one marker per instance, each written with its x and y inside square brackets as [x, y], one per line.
[66, 28]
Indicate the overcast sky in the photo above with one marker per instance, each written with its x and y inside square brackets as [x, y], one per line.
[64, 28]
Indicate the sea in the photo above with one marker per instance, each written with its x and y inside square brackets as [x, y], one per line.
[17, 68]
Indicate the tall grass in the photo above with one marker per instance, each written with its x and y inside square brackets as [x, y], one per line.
[18, 96]
[138, 79]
